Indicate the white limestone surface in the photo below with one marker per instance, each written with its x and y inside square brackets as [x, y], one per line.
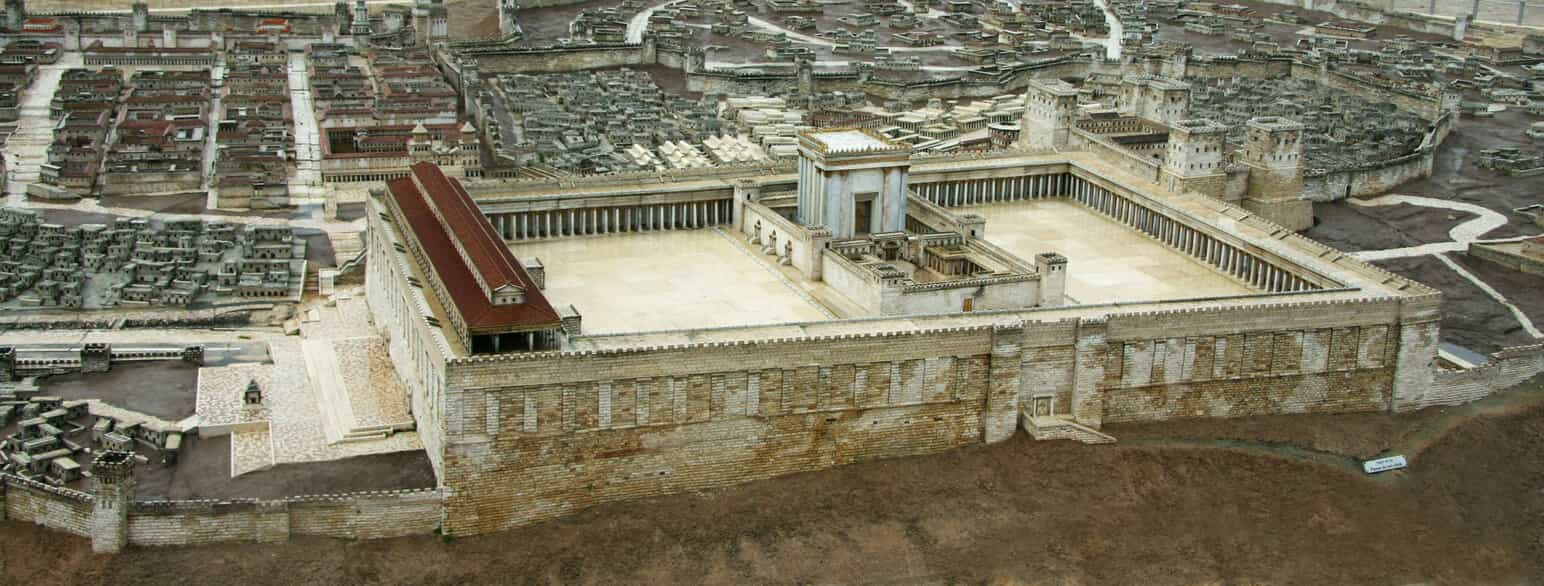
[665, 281]
[1107, 262]
[849, 140]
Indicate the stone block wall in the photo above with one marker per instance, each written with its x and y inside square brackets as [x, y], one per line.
[1327, 358]
[540, 436]
[56, 508]
[368, 515]
[1506, 368]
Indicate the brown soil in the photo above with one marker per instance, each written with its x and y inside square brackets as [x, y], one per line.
[1150, 511]
[165, 389]
[1352, 228]
[1470, 317]
[203, 472]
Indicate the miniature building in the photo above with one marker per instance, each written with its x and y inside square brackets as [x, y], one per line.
[253, 395]
[852, 182]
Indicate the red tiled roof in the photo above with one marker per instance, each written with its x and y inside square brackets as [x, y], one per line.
[490, 257]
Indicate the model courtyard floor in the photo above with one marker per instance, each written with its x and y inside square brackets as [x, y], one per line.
[1106, 262]
[666, 281]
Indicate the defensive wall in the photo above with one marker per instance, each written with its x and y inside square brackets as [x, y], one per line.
[1505, 368]
[1378, 177]
[1383, 13]
[362, 515]
[527, 437]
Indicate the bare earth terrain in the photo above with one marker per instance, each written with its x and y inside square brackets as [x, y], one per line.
[1267, 500]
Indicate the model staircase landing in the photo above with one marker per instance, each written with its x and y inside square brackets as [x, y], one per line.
[1057, 428]
[369, 403]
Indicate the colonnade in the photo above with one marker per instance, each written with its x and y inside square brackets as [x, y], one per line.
[995, 189]
[1249, 268]
[382, 176]
[607, 220]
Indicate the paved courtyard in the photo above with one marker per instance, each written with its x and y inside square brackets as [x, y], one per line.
[1106, 262]
[666, 281]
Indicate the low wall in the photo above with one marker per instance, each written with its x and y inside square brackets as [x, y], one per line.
[50, 506]
[561, 59]
[1499, 33]
[1379, 177]
[1507, 256]
[1129, 161]
[365, 515]
[1507, 367]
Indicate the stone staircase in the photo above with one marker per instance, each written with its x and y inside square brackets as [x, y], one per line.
[1057, 428]
[338, 421]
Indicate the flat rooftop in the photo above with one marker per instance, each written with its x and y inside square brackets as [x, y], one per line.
[848, 140]
[671, 280]
[1107, 262]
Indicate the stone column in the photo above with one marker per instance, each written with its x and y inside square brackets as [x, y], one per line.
[114, 475]
[1000, 417]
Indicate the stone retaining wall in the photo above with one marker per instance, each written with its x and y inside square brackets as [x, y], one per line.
[1507, 367]
[362, 515]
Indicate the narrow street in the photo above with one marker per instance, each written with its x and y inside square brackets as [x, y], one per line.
[27, 149]
[306, 183]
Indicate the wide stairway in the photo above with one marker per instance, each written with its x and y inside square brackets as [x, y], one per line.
[1045, 428]
[369, 403]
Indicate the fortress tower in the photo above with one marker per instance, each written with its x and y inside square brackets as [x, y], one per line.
[1194, 158]
[114, 474]
[360, 25]
[852, 181]
[1274, 155]
[1049, 109]
[1155, 98]
[15, 13]
[508, 25]
[431, 21]
[140, 16]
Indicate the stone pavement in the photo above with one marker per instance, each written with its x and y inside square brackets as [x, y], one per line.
[27, 149]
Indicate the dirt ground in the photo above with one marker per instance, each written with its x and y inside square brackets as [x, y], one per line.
[1470, 318]
[204, 472]
[165, 389]
[1354, 228]
[1203, 502]
[1456, 176]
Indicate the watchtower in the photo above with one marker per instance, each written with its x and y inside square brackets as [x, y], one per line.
[7, 363]
[114, 474]
[1049, 109]
[1273, 152]
[1155, 98]
[96, 357]
[1193, 160]
[15, 14]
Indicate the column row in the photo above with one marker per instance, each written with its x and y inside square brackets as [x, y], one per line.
[1249, 268]
[607, 220]
[979, 191]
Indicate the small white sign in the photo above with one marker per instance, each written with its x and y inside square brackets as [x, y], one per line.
[1384, 464]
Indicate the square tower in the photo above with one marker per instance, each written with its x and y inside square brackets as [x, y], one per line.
[1194, 158]
[1050, 106]
[1273, 152]
[852, 181]
[1155, 98]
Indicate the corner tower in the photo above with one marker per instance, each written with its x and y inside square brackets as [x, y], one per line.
[1274, 155]
[114, 474]
[1049, 109]
[1194, 158]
